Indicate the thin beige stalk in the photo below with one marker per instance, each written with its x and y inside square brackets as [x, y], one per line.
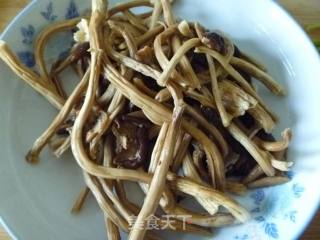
[253, 149]
[158, 181]
[33, 154]
[191, 188]
[255, 173]
[37, 83]
[214, 82]
[42, 40]
[163, 95]
[156, 14]
[181, 153]
[105, 203]
[276, 146]
[112, 230]
[190, 171]
[63, 147]
[167, 13]
[184, 63]
[237, 76]
[79, 202]
[210, 127]
[124, 6]
[135, 21]
[265, 78]
[169, 69]
[268, 181]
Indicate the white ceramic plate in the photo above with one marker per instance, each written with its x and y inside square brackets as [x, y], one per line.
[35, 200]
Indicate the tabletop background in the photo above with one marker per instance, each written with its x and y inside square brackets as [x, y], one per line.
[305, 11]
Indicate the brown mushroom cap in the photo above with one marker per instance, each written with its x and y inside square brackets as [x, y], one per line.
[132, 141]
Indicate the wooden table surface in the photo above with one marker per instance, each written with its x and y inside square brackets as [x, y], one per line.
[305, 11]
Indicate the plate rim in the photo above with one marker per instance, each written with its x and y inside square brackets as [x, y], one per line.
[307, 222]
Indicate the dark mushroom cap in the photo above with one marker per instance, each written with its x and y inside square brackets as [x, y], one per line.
[132, 141]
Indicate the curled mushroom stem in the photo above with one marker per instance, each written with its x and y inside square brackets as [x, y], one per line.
[156, 14]
[184, 64]
[129, 39]
[184, 29]
[46, 89]
[163, 95]
[236, 188]
[236, 101]
[255, 173]
[237, 76]
[277, 145]
[135, 20]
[281, 165]
[158, 182]
[124, 6]
[253, 149]
[140, 40]
[63, 147]
[181, 152]
[43, 38]
[266, 79]
[77, 206]
[112, 229]
[39, 144]
[158, 147]
[162, 58]
[205, 101]
[191, 43]
[76, 53]
[167, 12]
[105, 203]
[210, 127]
[191, 172]
[268, 181]
[106, 97]
[142, 87]
[264, 119]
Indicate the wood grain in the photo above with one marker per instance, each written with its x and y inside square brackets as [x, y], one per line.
[305, 11]
[9, 9]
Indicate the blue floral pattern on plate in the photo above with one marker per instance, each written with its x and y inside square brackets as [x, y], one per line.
[243, 237]
[297, 190]
[263, 204]
[72, 10]
[27, 58]
[48, 13]
[27, 34]
[270, 228]
[291, 216]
